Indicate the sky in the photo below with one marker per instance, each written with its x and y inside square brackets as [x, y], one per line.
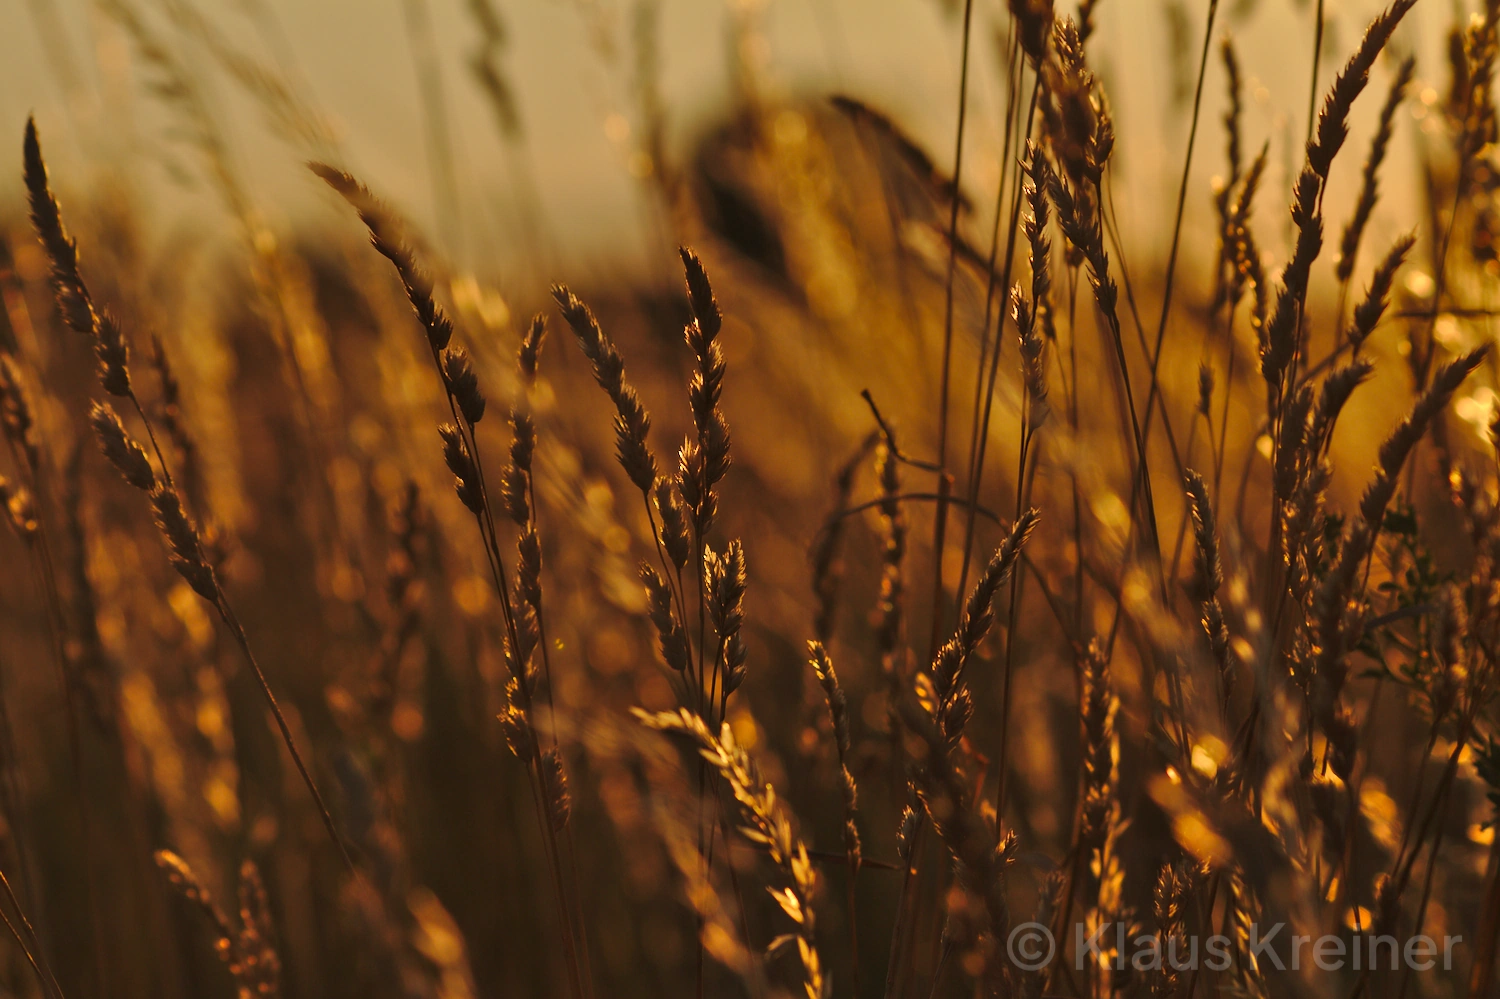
[571, 65]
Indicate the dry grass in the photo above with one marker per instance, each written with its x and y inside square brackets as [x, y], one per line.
[1163, 595]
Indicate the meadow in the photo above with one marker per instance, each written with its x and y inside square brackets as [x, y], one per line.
[910, 581]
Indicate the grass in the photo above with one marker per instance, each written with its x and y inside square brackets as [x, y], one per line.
[465, 662]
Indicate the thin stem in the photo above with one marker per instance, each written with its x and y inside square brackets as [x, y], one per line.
[975, 434]
[1182, 189]
[29, 945]
[1317, 57]
[1231, 353]
[1002, 759]
[226, 613]
[904, 905]
[976, 468]
[541, 625]
[945, 483]
[31, 934]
